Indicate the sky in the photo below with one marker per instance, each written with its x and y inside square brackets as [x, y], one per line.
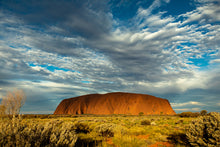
[54, 50]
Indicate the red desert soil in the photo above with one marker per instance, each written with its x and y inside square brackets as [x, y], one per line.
[145, 137]
[162, 144]
[109, 141]
[115, 103]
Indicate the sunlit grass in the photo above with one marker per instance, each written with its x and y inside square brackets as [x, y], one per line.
[115, 130]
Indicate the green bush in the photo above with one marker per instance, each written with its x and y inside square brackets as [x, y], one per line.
[205, 131]
[145, 122]
[189, 114]
[141, 113]
[203, 112]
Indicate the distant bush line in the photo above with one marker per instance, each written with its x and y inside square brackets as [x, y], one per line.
[193, 114]
[48, 116]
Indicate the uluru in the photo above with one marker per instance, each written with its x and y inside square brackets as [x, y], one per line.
[115, 103]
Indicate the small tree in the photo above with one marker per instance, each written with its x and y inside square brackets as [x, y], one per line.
[2, 109]
[14, 101]
[203, 112]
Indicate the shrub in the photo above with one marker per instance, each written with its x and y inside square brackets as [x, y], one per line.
[54, 133]
[205, 131]
[178, 138]
[110, 129]
[141, 113]
[203, 112]
[179, 122]
[145, 122]
[105, 130]
[82, 127]
[189, 114]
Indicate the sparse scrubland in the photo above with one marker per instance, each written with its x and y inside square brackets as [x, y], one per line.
[112, 130]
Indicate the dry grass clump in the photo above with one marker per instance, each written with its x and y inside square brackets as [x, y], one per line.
[16, 132]
[109, 129]
[81, 127]
[105, 130]
[205, 131]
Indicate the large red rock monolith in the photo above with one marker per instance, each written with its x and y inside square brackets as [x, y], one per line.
[115, 103]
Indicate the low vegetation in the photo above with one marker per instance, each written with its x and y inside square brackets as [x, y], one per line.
[189, 114]
[28, 133]
[114, 130]
[145, 122]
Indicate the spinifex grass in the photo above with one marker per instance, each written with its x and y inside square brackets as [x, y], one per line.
[92, 130]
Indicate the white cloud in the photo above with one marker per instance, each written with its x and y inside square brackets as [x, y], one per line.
[37, 112]
[38, 68]
[188, 109]
[190, 103]
[198, 80]
[144, 18]
[204, 13]
[215, 61]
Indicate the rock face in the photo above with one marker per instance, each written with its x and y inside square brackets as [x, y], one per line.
[115, 103]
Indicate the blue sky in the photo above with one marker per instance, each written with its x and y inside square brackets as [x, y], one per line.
[60, 49]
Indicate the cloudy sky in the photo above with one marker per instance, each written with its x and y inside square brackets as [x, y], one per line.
[60, 49]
